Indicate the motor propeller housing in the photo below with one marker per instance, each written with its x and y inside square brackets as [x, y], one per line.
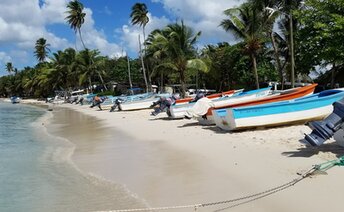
[324, 130]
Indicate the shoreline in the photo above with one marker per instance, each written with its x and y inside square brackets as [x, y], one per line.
[195, 164]
[68, 152]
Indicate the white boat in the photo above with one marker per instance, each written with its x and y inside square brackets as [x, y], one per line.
[276, 96]
[179, 109]
[110, 101]
[200, 109]
[143, 103]
[139, 104]
[313, 107]
[15, 99]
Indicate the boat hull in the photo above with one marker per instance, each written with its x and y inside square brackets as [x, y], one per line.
[314, 107]
[179, 109]
[243, 97]
[292, 94]
[15, 100]
[138, 105]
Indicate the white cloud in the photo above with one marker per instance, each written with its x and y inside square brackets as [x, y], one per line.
[130, 33]
[94, 38]
[4, 58]
[202, 15]
[22, 22]
[53, 11]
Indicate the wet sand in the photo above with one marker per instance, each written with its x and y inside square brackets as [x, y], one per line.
[177, 162]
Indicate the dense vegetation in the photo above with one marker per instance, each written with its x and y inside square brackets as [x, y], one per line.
[277, 41]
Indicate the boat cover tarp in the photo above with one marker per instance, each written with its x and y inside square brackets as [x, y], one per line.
[200, 108]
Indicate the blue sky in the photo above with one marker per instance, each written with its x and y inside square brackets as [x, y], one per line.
[107, 25]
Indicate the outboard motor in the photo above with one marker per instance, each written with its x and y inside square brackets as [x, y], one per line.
[323, 130]
[118, 103]
[198, 96]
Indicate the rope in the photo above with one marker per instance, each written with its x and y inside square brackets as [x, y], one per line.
[195, 206]
[272, 190]
[249, 198]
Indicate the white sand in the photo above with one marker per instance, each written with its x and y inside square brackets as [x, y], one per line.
[178, 162]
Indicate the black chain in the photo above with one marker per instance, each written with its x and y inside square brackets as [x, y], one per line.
[263, 193]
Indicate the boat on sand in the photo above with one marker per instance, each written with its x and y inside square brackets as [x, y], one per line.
[300, 110]
[274, 97]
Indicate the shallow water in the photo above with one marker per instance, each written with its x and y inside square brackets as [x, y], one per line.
[37, 173]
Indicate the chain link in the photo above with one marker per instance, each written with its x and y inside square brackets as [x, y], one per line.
[248, 198]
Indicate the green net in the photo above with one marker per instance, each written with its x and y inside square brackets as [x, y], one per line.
[340, 161]
[327, 165]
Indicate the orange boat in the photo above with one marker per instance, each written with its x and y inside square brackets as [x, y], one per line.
[283, 95]
[212, 96]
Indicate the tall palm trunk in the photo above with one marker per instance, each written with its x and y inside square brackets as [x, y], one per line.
[278, 61]
[144, 53]
[129, 75]
[182, 82]
[333, 71]
[90, 82]
[82, 41]
[143, 65]
[76, 41]
[254, 68]
[161, 81]
[101, 79]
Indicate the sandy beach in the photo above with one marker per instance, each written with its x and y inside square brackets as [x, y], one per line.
[178, 162]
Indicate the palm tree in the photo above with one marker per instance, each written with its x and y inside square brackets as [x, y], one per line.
[270, 16]
[41, 49]
[139, 17]
[63, 69]
[9, 67]
[156, 57]
[176, 42]
[89, 63]
[76, 17]
[246, 22]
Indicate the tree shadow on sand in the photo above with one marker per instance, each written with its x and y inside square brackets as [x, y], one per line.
[163, 119]
[193, 124]
[213, 128]
[308, 151]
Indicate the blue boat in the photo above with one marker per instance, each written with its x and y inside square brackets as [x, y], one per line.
[202, 106]
[15, 99]
[300, 110]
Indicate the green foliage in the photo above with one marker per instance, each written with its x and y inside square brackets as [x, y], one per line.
[106, 93]
[171, 57]
[322, 31]
[175, 45]
[76, 17]
[227, 66]
[139, 14]
[247, 22]
[41, 49]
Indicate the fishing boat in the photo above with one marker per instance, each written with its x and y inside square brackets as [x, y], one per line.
[274, 97]
[144, 103]
[182, 105]
[15, 99]
[211, 96]
[300, 110]
[200, 109]
[109, 102]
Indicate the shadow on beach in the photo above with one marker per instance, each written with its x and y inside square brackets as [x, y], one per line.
[309, 151]
[193, 124]
[162, 118]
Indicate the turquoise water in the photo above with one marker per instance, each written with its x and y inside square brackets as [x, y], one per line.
[36, 171]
